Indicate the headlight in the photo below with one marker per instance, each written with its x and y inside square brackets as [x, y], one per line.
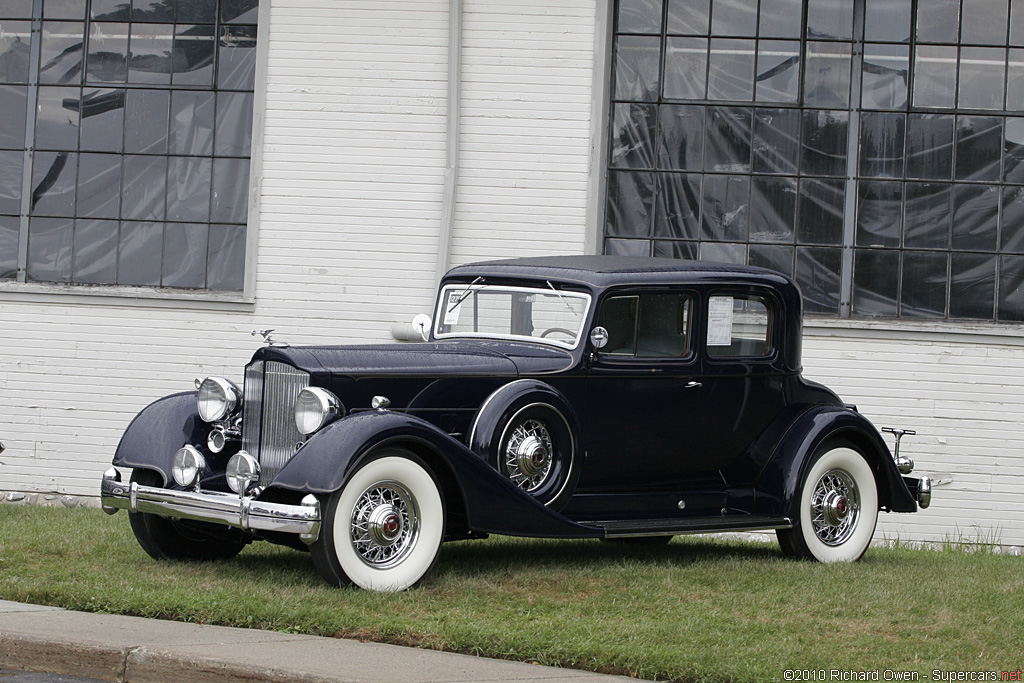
[242, 472]
[188, 466]
[218, 398]
[314, 408]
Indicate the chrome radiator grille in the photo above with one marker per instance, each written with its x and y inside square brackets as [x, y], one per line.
[268, 420]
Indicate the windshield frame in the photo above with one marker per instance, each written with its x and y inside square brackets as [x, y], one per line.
[542, 289]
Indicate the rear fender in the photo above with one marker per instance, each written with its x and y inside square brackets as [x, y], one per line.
[158, 432]
[492, 504]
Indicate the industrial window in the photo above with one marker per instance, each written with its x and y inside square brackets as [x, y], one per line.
[872, 149]
[125, 130]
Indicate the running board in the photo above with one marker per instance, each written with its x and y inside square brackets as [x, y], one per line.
[699, 525]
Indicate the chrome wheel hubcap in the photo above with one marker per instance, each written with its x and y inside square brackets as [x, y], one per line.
[384, 525]
[835, 507]
[528, 454]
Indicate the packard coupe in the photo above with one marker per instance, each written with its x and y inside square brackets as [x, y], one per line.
[559, 397]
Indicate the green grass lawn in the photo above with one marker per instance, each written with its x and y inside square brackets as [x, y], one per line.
[697, 609]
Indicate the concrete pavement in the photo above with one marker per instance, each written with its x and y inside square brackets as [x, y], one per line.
[135, 650]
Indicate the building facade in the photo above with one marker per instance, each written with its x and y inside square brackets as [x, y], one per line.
[177, 173]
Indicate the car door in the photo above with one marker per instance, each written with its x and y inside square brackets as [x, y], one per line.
[642, 416]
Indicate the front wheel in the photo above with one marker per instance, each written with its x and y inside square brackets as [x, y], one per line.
[838, 508]
[383, 530]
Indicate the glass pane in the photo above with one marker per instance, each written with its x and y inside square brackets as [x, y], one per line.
[817, 273]
[780, 18]
[1015, 80]
[99, 185]
[681, 144]
[139, 254]
[226, 261]
[146, 117]
[930, 146]
[1013, 150]
[982, 74]
[15, 39]
[145, 187]
[1012, 220]
[1016, 24]
[191, 130]
[879, 208]
[64, 9]
[57, 118]
[984, 22]
[677, 210]
[18, 9]
[1011, 288]
[825, 142]
[776, 140]
[49, 249]
[627, 247]
[239, 11]
[111, 10]
[881, 144]
[95, 252]
[53, 183]
[185, 250]
[876, 281]
[731, 69]
[193, 55]
[979, 141]
[236, 69]
[727, 146]
[830, 19]
[885, 76]
[723, 253]
[639, 16]
[938, 21]
[61, 58]
[887, 21]
[972, 286]
[632, 135]
[773, 209]
[108, 53]
[13, 107]
[821, 211]
[778, 71]
[686, 64]
[677, 250]
[11, 163]
[9, 231]
[725, 207]
[197, 11]
[188, 189]
[935, 76]
[102, 120]
[927, 214]
[153, 10]
[636, 68]
[827, 75]
[150, 47]
[923, 294]
[734, 17]
[777, 257]
[975, 217]
[230, 190]
[630, 203]
[689, 16]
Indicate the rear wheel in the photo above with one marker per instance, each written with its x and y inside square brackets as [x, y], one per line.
[838, 508]
[383, 529]
[536, 452]
[168, 539]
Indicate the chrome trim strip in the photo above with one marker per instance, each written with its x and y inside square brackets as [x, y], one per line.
[245, 513]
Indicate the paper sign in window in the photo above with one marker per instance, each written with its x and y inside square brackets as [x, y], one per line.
[720, 321]
[453, 308]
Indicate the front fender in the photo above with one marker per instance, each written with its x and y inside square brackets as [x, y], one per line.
[158, 432]
[815, 427]
[492, 503]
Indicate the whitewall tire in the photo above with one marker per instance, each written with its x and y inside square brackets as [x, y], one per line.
[383, 530]
[838, 508]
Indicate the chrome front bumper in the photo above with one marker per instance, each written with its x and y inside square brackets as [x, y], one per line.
[243, 512]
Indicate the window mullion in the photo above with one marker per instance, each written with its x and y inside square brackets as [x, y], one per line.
[852, 163]
[35, 55]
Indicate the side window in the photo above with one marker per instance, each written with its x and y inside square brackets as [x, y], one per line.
[647, 325]
[738, 326]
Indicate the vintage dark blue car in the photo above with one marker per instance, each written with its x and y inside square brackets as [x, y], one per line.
[562, 397]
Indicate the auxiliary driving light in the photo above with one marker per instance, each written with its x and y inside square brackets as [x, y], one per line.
[188, 467]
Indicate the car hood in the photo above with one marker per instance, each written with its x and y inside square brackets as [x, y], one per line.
[443, 359]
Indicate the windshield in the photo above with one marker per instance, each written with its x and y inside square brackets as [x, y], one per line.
[480, 310]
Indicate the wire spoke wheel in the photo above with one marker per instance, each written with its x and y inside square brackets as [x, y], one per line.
[385, 524]
[528, 454]
[835, 503]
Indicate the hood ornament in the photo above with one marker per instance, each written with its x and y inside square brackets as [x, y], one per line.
[266, 338]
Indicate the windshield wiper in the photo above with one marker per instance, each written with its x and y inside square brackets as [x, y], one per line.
[564, 300]
[466, 293]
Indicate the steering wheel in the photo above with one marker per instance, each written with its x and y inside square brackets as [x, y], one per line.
[552, 330]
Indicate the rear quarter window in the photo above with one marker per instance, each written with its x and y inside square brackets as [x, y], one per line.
[739, 326]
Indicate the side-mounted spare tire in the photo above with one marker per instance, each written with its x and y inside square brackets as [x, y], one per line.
[527, 431]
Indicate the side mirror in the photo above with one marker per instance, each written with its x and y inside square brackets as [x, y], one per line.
[599, 337]
[416, 331]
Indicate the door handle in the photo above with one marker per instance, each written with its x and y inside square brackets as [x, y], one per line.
[693, 385]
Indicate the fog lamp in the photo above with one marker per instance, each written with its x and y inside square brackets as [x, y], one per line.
[242, 472]
[188, 466]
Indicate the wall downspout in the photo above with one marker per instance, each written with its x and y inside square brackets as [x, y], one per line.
[451, 169]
